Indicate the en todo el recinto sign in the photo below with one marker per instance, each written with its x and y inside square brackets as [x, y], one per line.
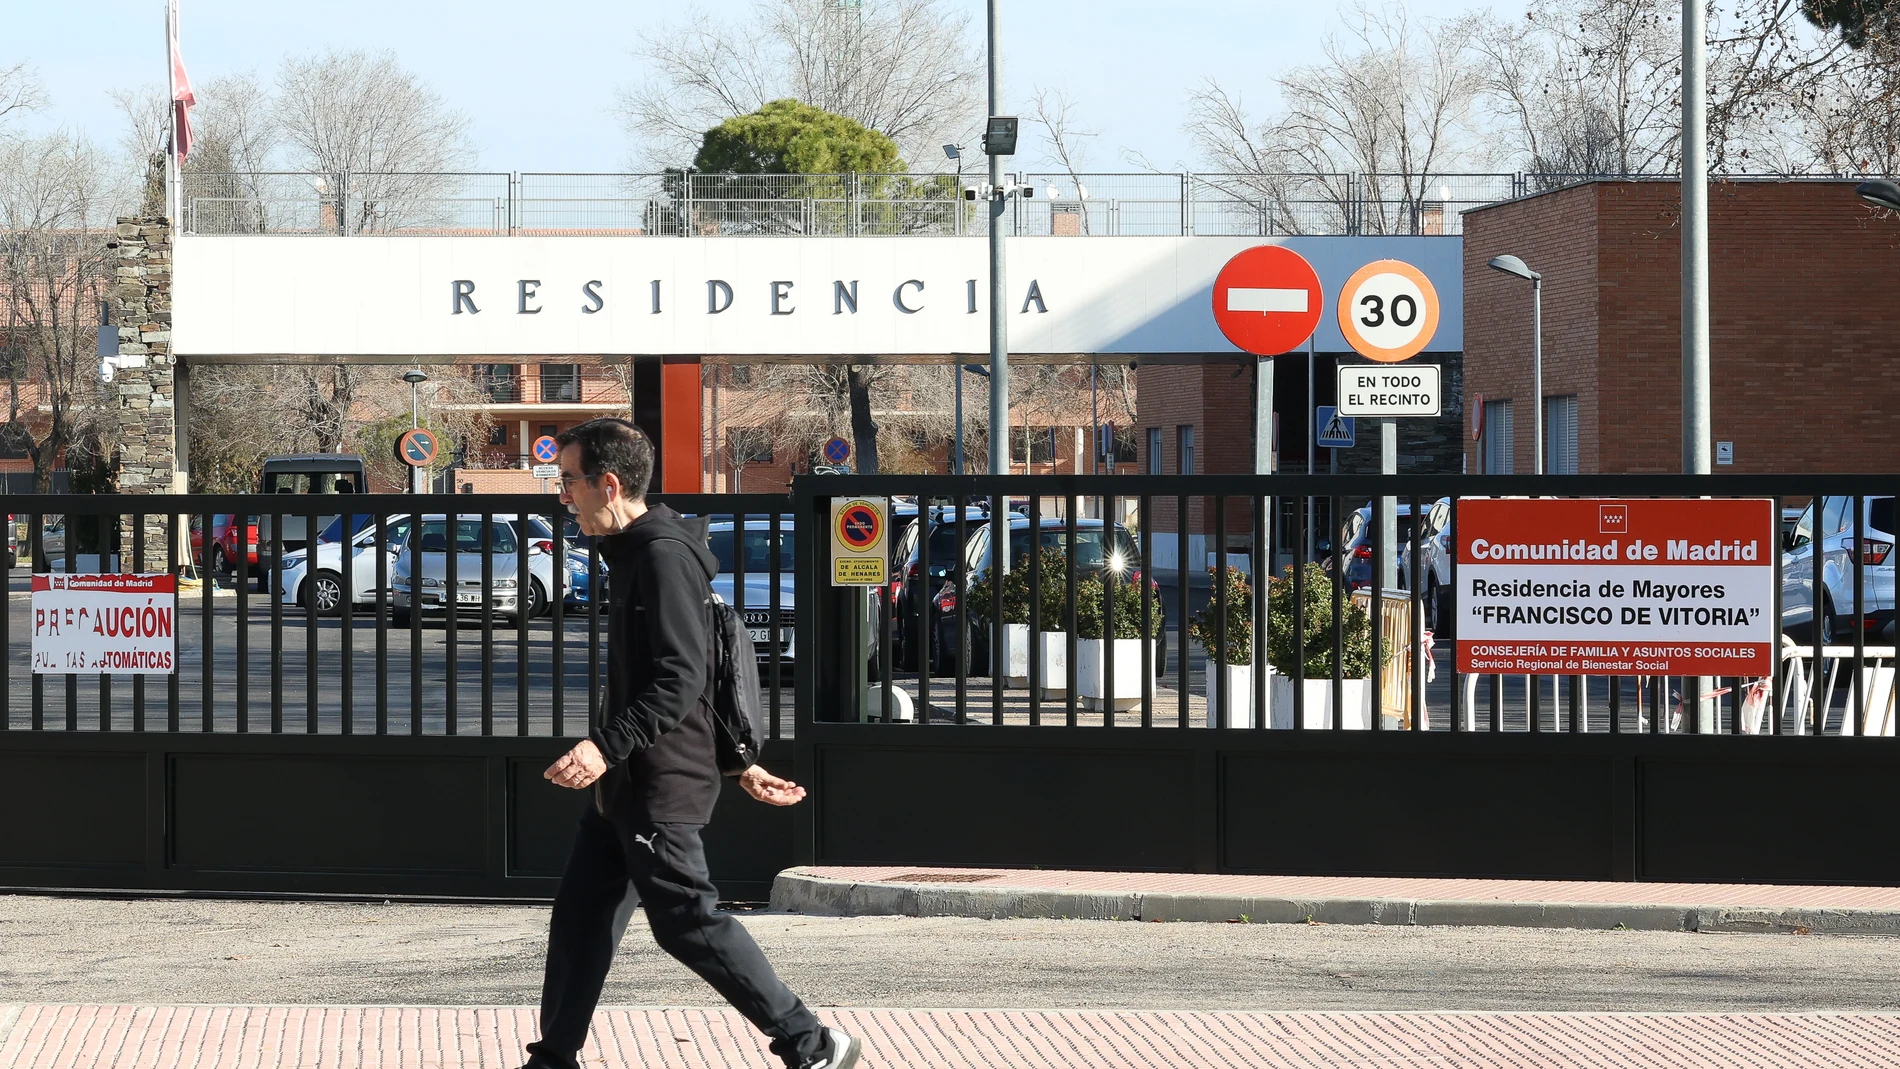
[121, 624]
[1594, 587]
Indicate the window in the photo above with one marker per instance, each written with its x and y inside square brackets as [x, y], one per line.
[1560, 435]
[1184, 437]
[1040, 444]
[498, 382]
[498, 434]
[1834, 515]
[1154, 450]
[560, 382]
[1500, 437]
[758, 549]
[468, 537]
[1123, 444]
[549, 430]
[749, 445]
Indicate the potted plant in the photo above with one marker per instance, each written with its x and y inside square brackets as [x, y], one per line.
[1315, 674]
[1015, 644]
[1231, 665]
[1133, 650]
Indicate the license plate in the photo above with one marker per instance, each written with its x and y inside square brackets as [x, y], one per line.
[468, 599]
[761, 635]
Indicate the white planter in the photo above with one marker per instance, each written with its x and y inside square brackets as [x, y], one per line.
[1016, 655]
[1319, 703]
[1052, 674]
[903, 707]
[1238, 710]
[1091, 664]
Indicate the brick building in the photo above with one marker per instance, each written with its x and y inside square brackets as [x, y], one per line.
[1804, 329]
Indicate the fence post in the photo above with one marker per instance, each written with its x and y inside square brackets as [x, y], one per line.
[1187, 226]
[686, 202]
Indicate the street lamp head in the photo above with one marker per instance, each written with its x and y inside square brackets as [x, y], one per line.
[1880, 193]
[415, 377]
[952, 152]
[1512, 265]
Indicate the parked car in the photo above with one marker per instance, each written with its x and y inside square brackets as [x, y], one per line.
[226, 535]
[752, 546]
[13, 544]
[1825, 528]
[319, 474]
[1096, 550]
[435, 538]
[912, 589]
[1355, 540]
[328, 583]
[52, 542]
[1434, 555]
[298, 587]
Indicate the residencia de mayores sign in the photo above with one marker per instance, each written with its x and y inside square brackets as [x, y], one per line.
[1599, 587]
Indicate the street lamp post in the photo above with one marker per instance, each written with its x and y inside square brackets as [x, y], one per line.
[415, 377]
[1512, 265]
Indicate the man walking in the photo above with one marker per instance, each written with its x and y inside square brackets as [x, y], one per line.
[653, 768]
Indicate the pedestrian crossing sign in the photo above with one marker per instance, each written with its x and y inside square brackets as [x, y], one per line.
[1335, 430]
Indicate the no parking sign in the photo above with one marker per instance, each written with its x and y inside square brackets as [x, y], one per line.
[857, 541]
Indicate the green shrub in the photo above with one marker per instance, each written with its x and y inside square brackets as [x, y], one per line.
[1354, 629]
[1016, 592]
[1204, 628]
[1091, 600]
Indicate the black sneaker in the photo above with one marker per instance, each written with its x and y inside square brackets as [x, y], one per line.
[841, 1052]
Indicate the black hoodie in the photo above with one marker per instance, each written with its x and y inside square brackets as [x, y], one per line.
[655, 728]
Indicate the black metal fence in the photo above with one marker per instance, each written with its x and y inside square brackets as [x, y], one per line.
[1110, 539]
[508, 640]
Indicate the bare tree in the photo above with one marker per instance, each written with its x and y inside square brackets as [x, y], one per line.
[20, 92]
[1065, 139]
[382, 140]
[1854, 118]
[1393, 102]
[144, 139]
[53, 278]
[905, 68]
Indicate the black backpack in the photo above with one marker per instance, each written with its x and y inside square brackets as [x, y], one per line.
[738, 710]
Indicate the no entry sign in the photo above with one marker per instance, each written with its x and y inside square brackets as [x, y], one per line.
[1616, 587]
[1267, 300]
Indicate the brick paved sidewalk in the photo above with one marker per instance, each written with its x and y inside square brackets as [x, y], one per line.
[917, 890]
[341, 1037]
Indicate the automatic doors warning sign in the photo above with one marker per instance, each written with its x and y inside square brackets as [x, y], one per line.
[857, 542]
[1670, 587]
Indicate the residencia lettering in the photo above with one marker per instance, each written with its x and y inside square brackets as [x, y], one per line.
[907, 297]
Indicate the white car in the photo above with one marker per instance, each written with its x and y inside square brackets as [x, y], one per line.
[1832, 537]
[1434, 557]
[327, 585]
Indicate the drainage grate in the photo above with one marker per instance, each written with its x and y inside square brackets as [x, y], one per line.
[938, 877]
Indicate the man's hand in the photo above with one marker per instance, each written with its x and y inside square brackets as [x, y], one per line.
[580, 767]
[770, 789]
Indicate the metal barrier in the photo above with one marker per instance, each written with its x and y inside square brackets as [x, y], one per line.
[690, 204]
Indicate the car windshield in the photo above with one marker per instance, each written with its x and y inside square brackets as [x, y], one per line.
[468, 537]
[1090, 552]
[944, 546]
[758, 550]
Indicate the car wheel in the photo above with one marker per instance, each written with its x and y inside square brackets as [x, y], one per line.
[220, 564]
[399, 618]
[325, 589]
[1441, 612]
[1830, 624]
[1161, 654]
[538, 604]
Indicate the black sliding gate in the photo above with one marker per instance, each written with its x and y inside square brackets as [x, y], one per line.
[309, 744]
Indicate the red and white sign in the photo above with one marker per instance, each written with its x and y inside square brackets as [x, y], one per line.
[117, 623]
[1681, 587]
[1388, 311]
[1267, 300]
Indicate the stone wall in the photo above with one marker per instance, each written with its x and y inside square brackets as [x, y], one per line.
[141, 388]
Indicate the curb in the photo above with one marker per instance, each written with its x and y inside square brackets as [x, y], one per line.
[9, 1015]
[797, 892]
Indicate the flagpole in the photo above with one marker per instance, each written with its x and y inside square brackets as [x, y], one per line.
[172, 198]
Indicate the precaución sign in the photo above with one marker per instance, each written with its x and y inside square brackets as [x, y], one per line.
[857, 541]
[1600, 587]
[121, 624]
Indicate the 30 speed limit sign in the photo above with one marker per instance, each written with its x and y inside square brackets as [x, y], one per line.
[1388, 311]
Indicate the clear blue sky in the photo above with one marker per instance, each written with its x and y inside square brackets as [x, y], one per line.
[539, 79]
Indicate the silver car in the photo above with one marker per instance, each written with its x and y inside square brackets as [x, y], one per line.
[429, 592]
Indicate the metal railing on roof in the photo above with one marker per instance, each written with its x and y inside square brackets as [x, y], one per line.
[851, 205]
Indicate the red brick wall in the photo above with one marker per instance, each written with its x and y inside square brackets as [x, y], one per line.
[1804, 327]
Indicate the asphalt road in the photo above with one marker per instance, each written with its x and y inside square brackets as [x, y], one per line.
[207, 951]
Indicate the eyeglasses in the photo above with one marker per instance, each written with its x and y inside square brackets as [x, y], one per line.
[568, 481]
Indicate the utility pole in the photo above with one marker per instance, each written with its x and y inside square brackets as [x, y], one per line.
[1695, 287]
[999, 325]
